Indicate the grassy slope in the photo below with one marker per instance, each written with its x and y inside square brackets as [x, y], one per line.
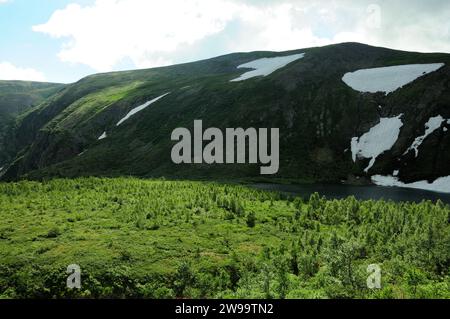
[316, 112]
[136, 238]
[16, 98]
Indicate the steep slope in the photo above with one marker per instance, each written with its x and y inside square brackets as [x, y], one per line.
[319, 115]
[16, 97]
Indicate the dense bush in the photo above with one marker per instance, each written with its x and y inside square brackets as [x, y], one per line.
[164, 239]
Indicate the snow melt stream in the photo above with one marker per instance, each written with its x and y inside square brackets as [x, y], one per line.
[378, 140]
[140, 108]
[266, 66]
[387, 79]
[432, 125]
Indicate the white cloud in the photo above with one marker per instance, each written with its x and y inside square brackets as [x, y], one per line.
[160, 32]
[9, 71]
[104, 34]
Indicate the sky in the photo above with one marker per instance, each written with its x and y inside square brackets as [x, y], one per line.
[65, 40]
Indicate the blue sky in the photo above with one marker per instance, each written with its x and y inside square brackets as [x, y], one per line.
[23, 47]
[65, 40]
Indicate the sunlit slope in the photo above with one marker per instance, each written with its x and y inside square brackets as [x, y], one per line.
[161, 239]
[318, 114]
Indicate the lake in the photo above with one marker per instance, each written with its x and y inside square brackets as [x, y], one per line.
[337, 191]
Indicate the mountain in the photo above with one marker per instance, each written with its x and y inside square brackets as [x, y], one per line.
[17, 97]
[337, 120]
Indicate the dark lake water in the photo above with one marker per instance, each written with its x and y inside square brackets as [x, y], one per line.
[360, 192]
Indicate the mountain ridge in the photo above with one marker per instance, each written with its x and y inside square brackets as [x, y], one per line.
[317, 113]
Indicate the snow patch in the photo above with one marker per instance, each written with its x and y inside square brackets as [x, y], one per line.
[432, 125]
[266, 66]
[396, 172]
[103, 136]
[441, 185]
[378, 140]
[140, 108]
[387, 79]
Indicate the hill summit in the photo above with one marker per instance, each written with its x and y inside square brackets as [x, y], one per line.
[345, 112]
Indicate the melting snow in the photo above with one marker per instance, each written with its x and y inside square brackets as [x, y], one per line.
[103, 136]
[387, 79]
[432, 125]
[140, 108]
[441, 185]
[266, 66]
[82, 153]
[378, 140]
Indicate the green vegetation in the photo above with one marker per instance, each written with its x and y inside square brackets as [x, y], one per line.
[165, 239]
[17, 98]
[317, 113]
[89, 106]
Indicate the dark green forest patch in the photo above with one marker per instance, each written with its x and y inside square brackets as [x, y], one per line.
[164, 239]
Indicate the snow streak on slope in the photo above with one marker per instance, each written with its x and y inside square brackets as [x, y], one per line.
[103, 136]
[441, 185]
[387, 79]
[140, 108]
[378, 140]
[432, 125]
[266, 66]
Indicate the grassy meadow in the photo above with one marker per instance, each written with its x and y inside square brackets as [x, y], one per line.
[168, 239]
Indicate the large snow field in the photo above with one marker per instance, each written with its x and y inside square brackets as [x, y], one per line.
[266, 66]
[441, 185]
[387, 79]
[378, 140]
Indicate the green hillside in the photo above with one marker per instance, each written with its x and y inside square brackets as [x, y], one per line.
[317, 113]
[18, 97]
[160, 239]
